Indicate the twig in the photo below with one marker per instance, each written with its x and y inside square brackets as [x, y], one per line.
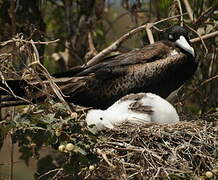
[53, 85]
[202, 84]
[118, 42]
[91, 44]
[206, 36]
[205, 47]
[104, 156]
[49, 172]
[180, 11]
[92, 51]
[189, 9]
[29, 42]
[5, 83]
[16, 97]
[149, 33]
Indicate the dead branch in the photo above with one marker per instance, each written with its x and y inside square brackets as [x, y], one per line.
[188, 9]
[104, 156]
[180, 11]
[49, 172]
[205, 47]
[118, 42]
[206, 36]
[92, 51]
[195, 89]
[29, 42]
[149, 33]
[53, 85]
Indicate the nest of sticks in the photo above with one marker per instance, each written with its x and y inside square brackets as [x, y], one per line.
[186, 150]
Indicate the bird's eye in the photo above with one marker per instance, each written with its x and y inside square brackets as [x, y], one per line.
[170, 36]
[101, 118]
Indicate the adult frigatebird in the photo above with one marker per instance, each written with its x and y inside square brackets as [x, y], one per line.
[159, 68]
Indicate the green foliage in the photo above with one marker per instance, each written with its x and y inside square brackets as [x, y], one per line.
[38, 129]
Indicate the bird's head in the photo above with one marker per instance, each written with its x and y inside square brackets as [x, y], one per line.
[179, 35]
[96, 120]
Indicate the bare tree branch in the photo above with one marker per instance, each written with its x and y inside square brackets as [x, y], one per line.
[180, 11]
[30, 42]
[189, 9]
[206, 36]
[53, 85]
[205, 47]
[118, 42]
[149, 33]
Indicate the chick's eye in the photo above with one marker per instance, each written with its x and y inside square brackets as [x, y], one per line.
[101, 118]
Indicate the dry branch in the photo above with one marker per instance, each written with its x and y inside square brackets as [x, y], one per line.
[29, 42]
[118, 42]
[202, 84]
[206, 36]
[180, 11]
[53, 85]
[189, 9]
[92, 51]
[205, 47]
[149, 33]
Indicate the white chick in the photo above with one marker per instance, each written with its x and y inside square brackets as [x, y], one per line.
[134, 108]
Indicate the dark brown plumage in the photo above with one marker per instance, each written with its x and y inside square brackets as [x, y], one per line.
[159, 68]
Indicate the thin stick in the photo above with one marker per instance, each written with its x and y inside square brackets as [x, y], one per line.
[205, 47]
[189, 9]
[149, 33]
[206, 36]
[180, 11]
[53, 85]
[29, 42]
[49, 172]
[91, 44]
[104, 156]
[202, 84]
[118, 42]
[92, 51]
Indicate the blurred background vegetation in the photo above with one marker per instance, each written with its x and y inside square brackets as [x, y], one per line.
[79, 23]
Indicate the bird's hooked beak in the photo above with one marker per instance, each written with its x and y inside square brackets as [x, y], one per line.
[183, 43]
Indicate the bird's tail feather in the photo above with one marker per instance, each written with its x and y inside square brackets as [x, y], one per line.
[18, 92]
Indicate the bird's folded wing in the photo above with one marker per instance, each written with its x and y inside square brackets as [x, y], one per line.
[118, 66]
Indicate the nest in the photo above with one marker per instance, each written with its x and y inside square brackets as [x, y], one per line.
[185, 150]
